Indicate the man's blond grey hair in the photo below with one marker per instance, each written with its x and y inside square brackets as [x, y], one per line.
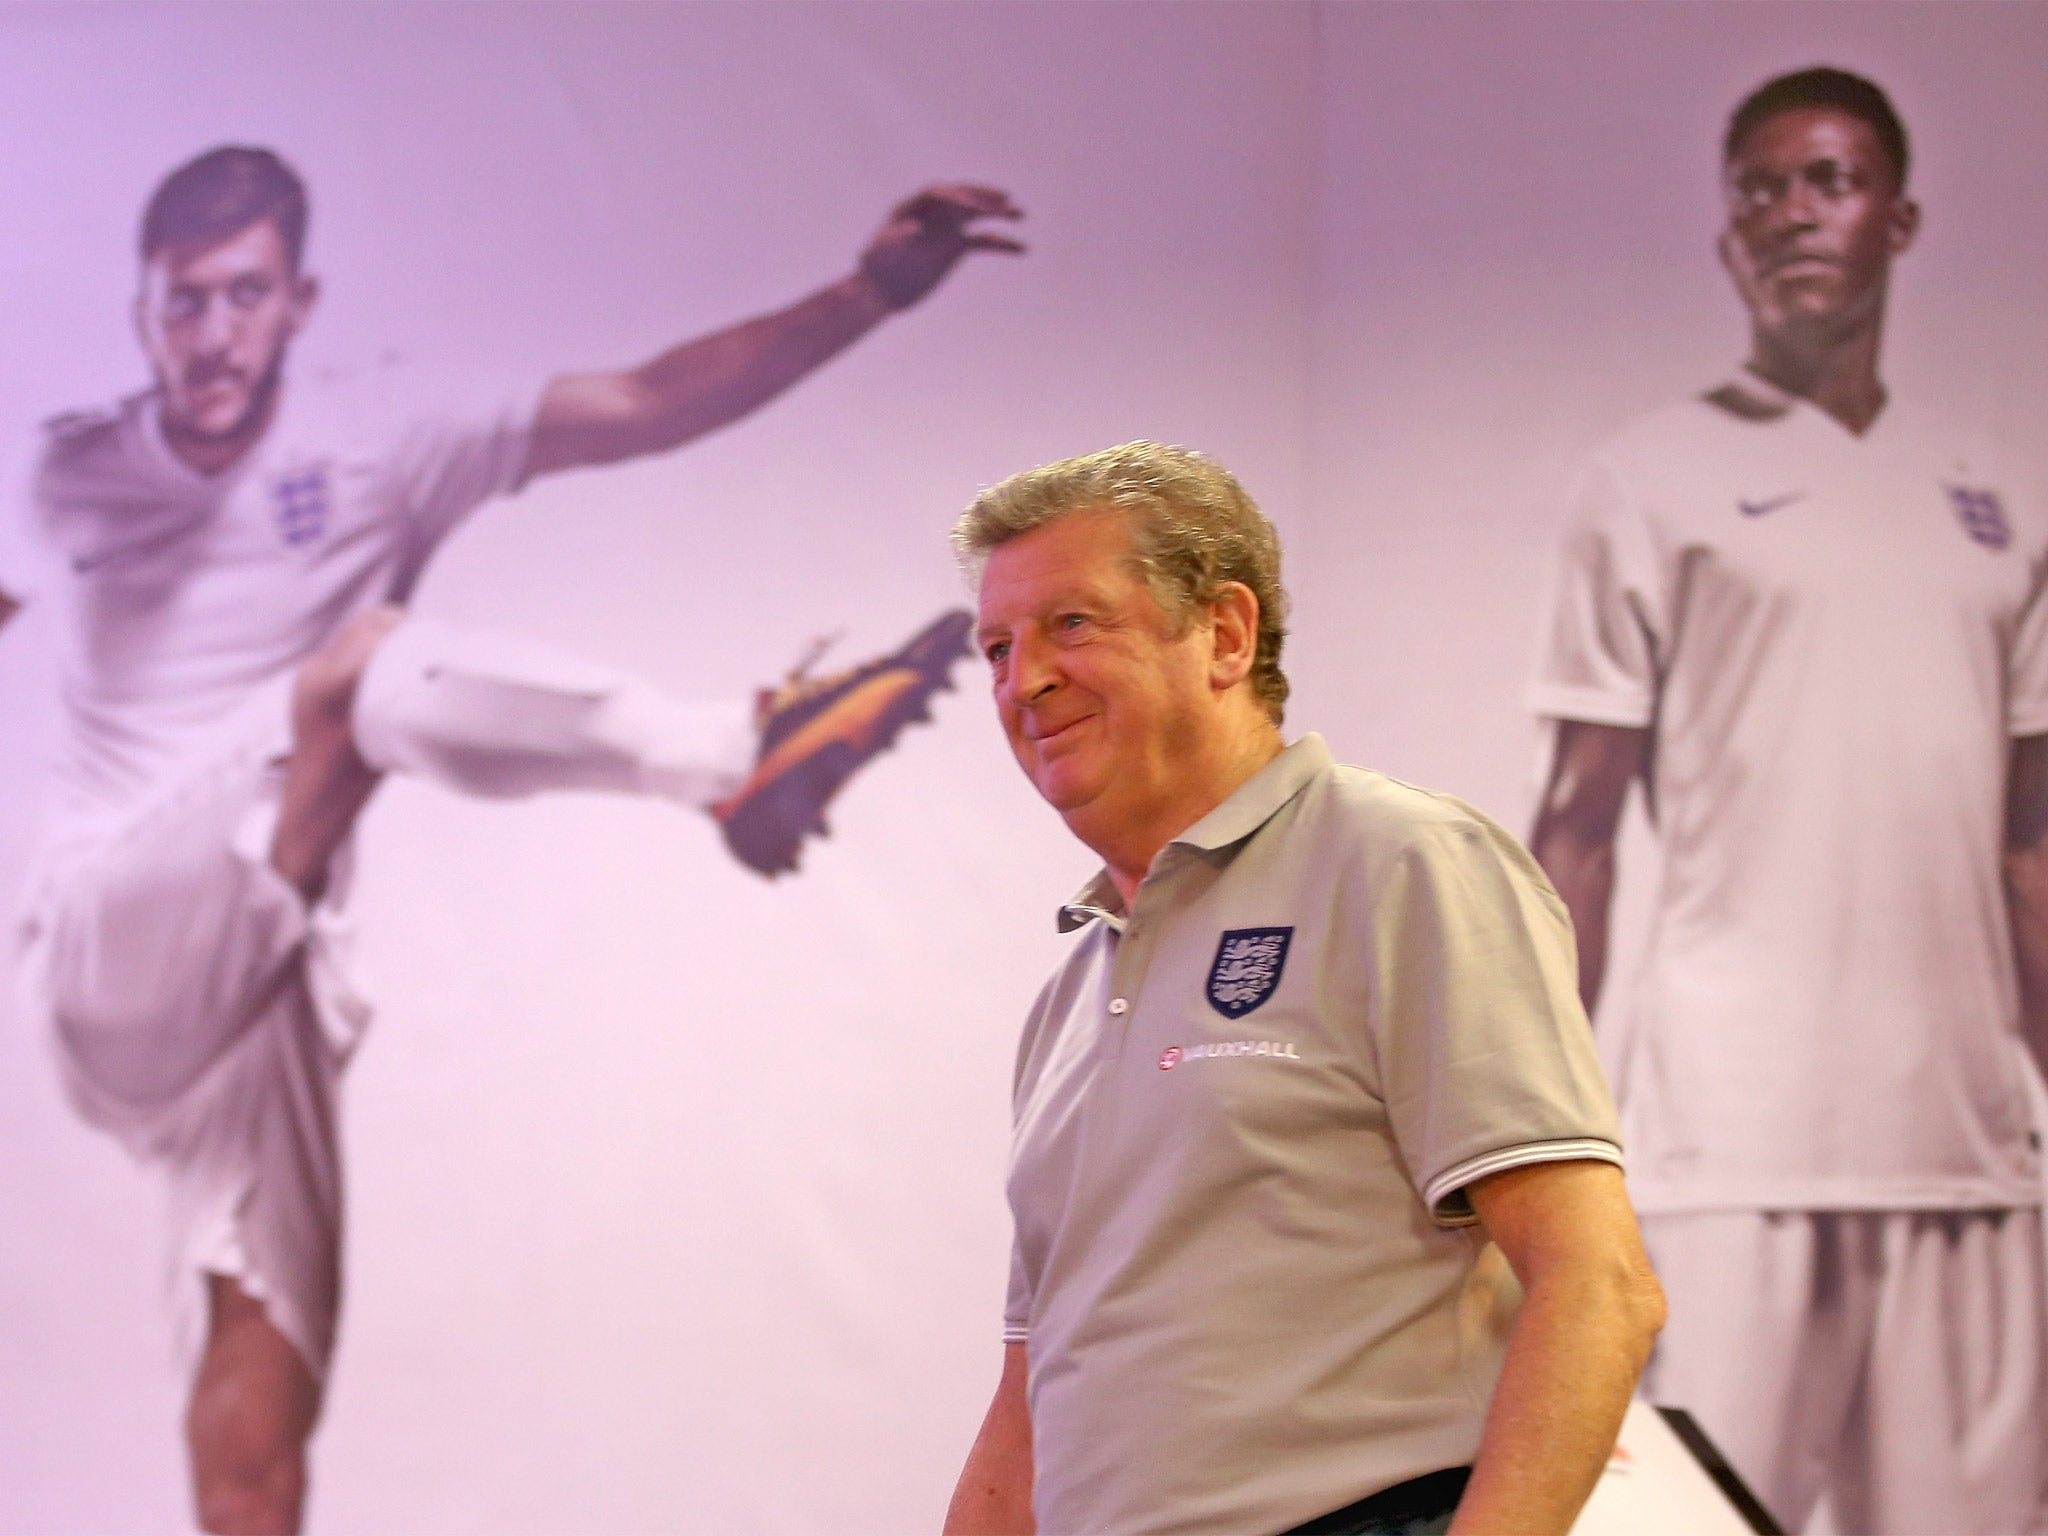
[1193, 528]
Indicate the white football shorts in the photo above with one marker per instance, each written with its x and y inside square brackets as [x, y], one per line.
[201, 1015]
[1895, 1362]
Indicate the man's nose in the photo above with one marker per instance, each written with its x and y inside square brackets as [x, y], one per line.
[1032, 673]
[1797, 209]
[214, 326]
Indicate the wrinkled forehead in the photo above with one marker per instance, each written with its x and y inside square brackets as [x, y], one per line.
[1087, 553]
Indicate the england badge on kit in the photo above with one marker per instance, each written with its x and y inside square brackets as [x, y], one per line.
[1247, 969]
[301, 501]
[1983, 517]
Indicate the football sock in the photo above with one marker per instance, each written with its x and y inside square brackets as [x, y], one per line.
[489, 714]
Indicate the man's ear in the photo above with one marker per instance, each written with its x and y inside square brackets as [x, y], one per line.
[1234, 635]
[1905, 224]
[305, 294]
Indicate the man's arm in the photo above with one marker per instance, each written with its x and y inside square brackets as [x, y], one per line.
[1591, 1307]
[993, 1497]
[1576, 826]
[2026, 884]
[701, 385]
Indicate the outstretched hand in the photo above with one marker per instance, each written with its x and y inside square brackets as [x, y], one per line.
[927, 233]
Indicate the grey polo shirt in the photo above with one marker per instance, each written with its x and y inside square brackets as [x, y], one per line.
[1245, 1114]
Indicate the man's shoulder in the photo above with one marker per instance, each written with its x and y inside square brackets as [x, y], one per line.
[1698, 422]
[93, 450]
[389, 402]
[1386, 817]
[89, 432]
[363, 392]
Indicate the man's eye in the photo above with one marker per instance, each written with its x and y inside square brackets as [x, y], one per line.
[1758, 189]
[246, 292]
[182, 304]
[1832, 179]
[997, 651]
[1069, 621]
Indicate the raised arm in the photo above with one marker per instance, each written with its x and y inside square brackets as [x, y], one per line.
[993, 1497]
[1575, 830]
[1590, 1308]
[2026, 884]
[701, 385]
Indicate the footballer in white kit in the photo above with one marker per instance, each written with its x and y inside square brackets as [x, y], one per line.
[1811, 620]
[230, 551]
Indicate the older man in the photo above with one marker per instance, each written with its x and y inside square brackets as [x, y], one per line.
[1313, 1081]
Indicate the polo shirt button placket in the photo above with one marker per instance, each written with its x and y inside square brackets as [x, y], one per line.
[1117, 1027]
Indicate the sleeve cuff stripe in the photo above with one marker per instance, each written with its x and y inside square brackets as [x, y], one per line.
[1015, 1333]
[1446, 1184]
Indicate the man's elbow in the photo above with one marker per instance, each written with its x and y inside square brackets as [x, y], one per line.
[1628, 1301]
[1644, 1306]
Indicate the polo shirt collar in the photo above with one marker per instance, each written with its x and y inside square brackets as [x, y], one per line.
[1250, 807]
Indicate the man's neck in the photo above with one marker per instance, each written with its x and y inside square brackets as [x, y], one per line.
[1838, 375]
[210, 455]
[1128, 848]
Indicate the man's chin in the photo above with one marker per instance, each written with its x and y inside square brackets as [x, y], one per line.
[1063, 788]
[215, 425]
[1810, 296]
[1807, 319]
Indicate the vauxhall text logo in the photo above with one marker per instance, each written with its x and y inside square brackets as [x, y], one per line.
[1174, 1055]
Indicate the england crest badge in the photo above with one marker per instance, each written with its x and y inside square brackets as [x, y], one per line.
[301, 502]
[1982, 516]
[1247, 969]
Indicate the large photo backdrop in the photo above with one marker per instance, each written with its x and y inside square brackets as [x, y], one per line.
[675, 1195]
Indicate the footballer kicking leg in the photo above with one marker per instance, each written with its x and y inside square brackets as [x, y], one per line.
[491, 716]
[488, 714]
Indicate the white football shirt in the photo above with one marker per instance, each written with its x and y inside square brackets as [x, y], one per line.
[1834, 637]
[183, 594]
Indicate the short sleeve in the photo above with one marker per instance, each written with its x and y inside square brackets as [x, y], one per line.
[1017, 1306]
[462, 442]
[2026, 706]
[1486, 1057]
[1605, 626]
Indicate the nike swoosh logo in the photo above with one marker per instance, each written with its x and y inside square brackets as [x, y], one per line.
[1768, 504]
